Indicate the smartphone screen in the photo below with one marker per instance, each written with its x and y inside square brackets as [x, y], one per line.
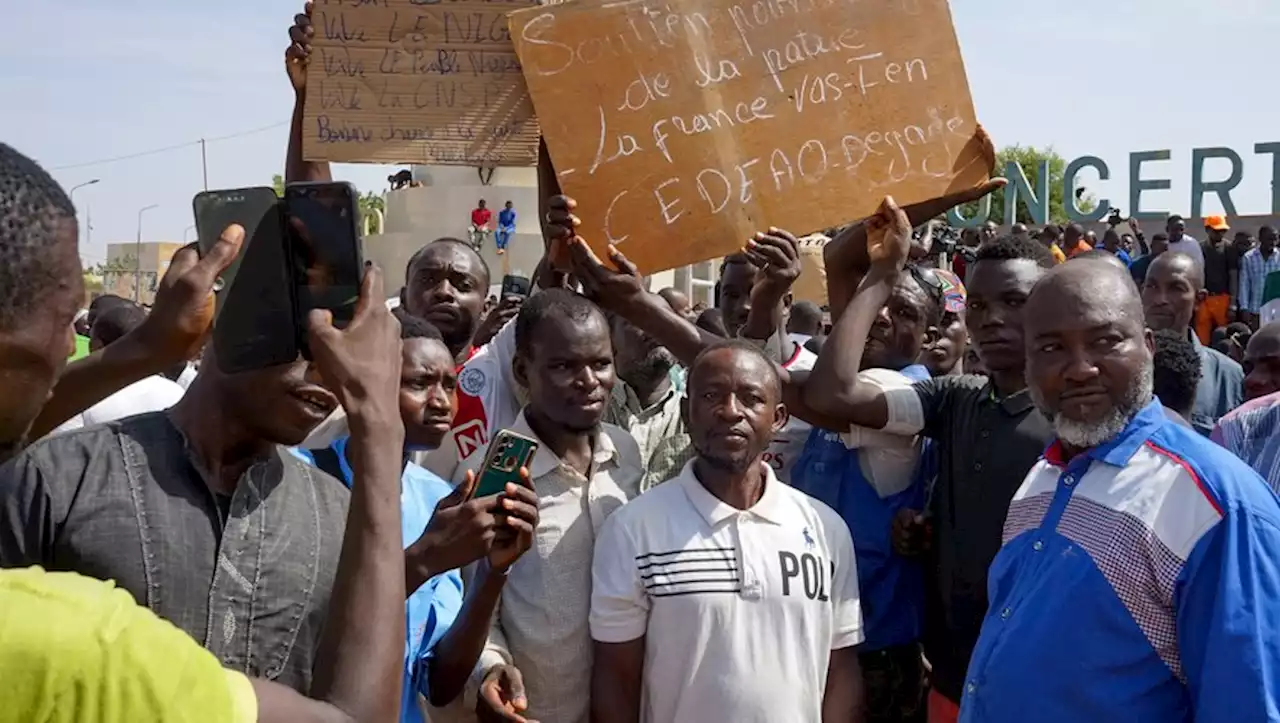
[515, 285]
[328, 263]
[253, 317]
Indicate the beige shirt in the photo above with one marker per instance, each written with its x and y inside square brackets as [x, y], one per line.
[541, 624]
[650, 427]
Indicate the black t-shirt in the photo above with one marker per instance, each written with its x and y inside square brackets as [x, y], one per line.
[985, 446]
[1219, 262]
[1139, 269]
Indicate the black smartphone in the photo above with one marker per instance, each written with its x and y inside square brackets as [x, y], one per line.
[254, 306]
[513, 285]
[327, 259]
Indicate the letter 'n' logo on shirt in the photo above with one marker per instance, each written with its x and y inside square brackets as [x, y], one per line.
[469, 437]
[814, 576]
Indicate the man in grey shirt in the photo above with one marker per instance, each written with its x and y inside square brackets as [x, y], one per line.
[199, 512]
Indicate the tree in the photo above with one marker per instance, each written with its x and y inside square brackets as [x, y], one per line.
[93, 285]
[125, 264]
[369, 203]
[1029, 159]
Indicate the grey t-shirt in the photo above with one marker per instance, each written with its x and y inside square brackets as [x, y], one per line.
[126, 502]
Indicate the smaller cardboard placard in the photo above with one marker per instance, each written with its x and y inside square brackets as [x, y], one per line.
[412, 81]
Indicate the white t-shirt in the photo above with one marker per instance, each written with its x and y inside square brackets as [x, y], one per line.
[152, 394]
[789, 442]
[739, 609]
[1189, 246]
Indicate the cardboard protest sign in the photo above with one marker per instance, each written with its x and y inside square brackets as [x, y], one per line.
[683, 127]
[412, 81]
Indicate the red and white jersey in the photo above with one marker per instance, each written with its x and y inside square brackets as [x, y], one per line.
[487, 401]
[787, 444]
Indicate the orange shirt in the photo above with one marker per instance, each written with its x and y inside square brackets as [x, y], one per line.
[1081, 247]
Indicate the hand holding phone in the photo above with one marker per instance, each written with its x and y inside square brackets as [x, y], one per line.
[508, 453]
[182, 316]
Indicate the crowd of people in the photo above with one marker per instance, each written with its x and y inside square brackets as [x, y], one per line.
[1020, 489]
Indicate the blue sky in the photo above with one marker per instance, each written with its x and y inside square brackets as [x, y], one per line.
[86, 80]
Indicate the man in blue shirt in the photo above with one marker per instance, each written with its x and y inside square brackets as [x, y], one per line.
[443, 530]
[1141, 562]
[506, 227]
[1111, 243]
[1173, 288]
[867, 475]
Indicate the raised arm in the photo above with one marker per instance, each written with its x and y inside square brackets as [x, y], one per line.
[776, 256]
[173, 332]
[833, 389]
[620, 290]
[845, 256]
[296, 59]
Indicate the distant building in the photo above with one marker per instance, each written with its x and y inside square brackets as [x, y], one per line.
[133, 267]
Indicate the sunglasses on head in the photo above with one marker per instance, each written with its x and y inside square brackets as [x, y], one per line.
[927, 279]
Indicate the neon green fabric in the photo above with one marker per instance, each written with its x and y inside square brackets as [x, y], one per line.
[78, 650]
[82, 348]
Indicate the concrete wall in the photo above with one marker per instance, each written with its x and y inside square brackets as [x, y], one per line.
[442, 207]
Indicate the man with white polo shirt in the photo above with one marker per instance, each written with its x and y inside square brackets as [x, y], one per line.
[1141, 562]
[724, 594]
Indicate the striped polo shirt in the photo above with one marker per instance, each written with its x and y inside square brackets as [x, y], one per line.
[1137, 584]
[739, 609]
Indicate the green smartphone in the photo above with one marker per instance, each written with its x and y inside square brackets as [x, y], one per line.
[507, 453]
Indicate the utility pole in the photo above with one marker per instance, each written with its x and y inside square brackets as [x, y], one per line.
[204, 165]
[71, 195]
[137, 262]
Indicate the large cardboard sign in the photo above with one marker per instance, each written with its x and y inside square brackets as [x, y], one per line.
[683, 127]
[417, 81]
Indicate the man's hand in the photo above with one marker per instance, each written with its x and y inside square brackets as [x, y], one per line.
[776, 254]
[845, 257]
[520, 508]
[497, 318]
[888, 237]
[502, 696]
[182, 315]
[361, 364]
[561, 228]
[298, 54]
[620, 289]
[460, 532]
[910, 533]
